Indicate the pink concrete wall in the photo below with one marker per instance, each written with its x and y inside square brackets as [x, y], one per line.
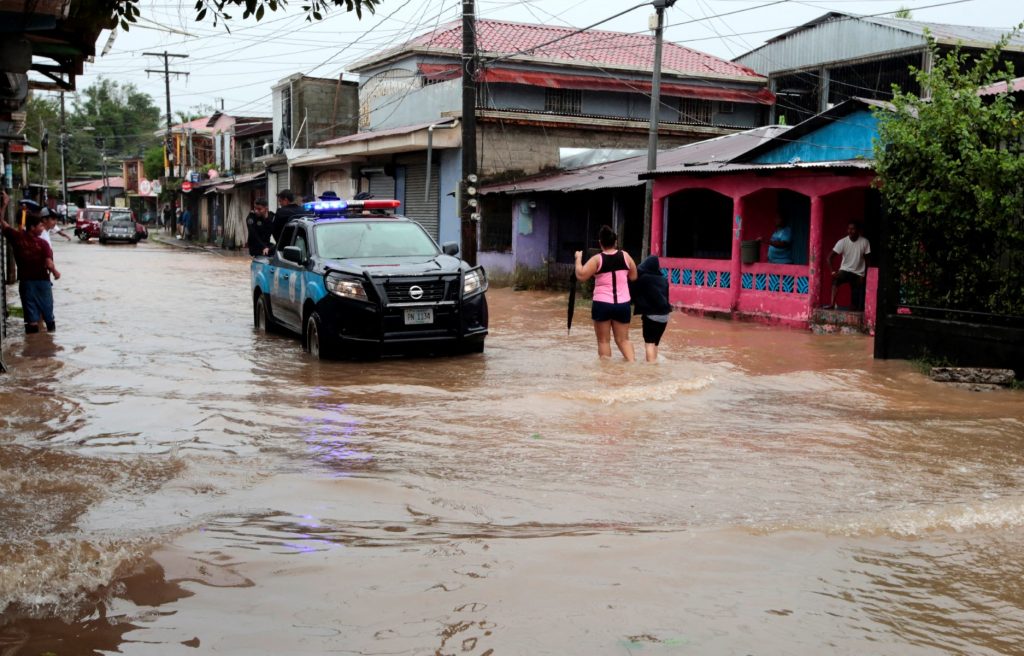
[759, 219]
[779, 291]
[699, 284]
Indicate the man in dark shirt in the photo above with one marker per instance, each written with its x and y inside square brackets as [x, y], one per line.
[34, 258]
[260, 223]
[286, 211]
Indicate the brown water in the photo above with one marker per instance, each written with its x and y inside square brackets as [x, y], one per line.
[173, 482]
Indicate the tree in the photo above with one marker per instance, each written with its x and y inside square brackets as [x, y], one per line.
[951, 172]
[110, 118]
[127, 12]
[903, 12]
[153, 162]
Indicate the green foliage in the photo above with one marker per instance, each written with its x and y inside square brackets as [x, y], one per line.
[153, 162]
[42, 115]
[126, 12]
[113, 117]
[951, 172]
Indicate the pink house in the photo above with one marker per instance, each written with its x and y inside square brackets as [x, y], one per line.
[713, 221]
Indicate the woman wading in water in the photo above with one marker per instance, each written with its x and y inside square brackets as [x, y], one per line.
[611, 269]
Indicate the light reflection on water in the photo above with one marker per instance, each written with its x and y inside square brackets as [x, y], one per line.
[532, 499]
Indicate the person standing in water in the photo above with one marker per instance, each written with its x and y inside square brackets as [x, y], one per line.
[650, 301]
[612, 269]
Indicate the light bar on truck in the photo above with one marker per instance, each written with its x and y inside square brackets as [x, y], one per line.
[336, 206]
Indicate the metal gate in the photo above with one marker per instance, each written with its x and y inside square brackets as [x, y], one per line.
[283, 180]
[423, 208]
[382, 186]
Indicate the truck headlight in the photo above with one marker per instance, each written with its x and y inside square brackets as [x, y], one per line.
[345, 287]
[475, 282]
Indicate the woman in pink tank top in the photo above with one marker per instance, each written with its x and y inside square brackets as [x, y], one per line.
[612, 270]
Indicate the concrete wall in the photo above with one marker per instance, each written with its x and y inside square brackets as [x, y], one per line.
[330, 109]
[529, 149]
[531, 233]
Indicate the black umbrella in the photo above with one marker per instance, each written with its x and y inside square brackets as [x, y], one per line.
[572, 299]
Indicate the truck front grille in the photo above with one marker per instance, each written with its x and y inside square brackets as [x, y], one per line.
[428, 291]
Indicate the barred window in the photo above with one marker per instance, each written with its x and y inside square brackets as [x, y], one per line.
[496, 224]
[563, 101]
[726, 107]
[694, 110]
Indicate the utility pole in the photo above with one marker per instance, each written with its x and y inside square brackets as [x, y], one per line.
[167, 72]
[469, 212]
[63, 158]
[652, 142]
[103, 154]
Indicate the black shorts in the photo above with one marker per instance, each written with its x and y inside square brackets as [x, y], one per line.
[653, 330]
[619, 312]
[845, 276]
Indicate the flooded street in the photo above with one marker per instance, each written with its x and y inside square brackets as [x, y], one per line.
[174, 483]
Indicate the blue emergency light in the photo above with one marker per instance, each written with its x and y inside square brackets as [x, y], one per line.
[325, 206]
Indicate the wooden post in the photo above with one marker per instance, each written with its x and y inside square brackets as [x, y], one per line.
[818, 256]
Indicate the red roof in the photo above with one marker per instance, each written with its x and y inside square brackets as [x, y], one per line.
[594, 47]
[96, 185]
[1000, 87]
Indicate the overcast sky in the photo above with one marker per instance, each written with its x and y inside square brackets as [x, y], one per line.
[239, 67]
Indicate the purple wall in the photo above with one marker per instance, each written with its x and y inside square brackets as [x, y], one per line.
[531, 229]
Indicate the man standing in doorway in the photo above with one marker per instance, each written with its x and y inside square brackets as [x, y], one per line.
[286, 211]
[854, 251]
[260, 223]
[34, 258]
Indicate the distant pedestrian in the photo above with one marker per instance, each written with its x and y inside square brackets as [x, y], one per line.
[650, 301]
[166, 216]
[34, 258]
[260, 224]
[184, 227]
[854, 250]
[611, 269]
[286, 211]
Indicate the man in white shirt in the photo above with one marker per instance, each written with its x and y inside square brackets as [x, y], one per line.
[50, 227]
[854, 250]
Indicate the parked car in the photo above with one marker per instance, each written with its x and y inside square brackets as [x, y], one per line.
[125, 214]
[349, 278]
[88, 220]
[118, 225]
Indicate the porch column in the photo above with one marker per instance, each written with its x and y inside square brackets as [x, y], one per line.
[818, 257]
[657, 222]
[739, 208]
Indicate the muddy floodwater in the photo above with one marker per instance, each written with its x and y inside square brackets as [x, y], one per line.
[173, 483]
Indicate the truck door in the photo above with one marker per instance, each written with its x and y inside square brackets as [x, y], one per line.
[284, 287]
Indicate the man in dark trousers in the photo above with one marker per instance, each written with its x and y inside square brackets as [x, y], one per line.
[34, 258]
[286, 211]
[260, 223]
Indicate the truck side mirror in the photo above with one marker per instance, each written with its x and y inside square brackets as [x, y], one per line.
[292, 254]
[450, 248]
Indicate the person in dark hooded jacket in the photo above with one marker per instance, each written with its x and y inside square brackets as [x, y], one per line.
[650, 300]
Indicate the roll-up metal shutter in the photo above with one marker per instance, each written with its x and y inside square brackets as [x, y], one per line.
[382, 186]
[424, 211]
[283, 180]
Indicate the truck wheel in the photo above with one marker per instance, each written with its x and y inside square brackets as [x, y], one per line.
[474, 347]
[317, 343]
[261, 316]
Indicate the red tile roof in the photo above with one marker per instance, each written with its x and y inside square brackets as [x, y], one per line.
[594, 47]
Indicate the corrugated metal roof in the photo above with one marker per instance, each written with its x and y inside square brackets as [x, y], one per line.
[626, 172]
[726, 167]
[1017, 84]
[838, 36]
[570, 46]
[405, 129]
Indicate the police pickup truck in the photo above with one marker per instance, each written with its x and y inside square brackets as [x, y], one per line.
[352, 278]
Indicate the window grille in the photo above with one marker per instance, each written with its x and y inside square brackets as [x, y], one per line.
[694, 110]
[563, 101]
[726, 107]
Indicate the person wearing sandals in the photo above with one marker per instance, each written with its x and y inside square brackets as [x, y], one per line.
[650, 301]
[612, 270]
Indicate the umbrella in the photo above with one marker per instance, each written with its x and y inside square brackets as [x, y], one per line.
[572, 300]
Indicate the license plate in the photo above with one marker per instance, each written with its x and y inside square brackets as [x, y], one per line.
[419, 317]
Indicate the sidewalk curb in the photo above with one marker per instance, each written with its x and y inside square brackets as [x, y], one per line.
[168, 240]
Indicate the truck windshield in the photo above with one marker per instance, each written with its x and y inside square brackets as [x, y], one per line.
[336, 241]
